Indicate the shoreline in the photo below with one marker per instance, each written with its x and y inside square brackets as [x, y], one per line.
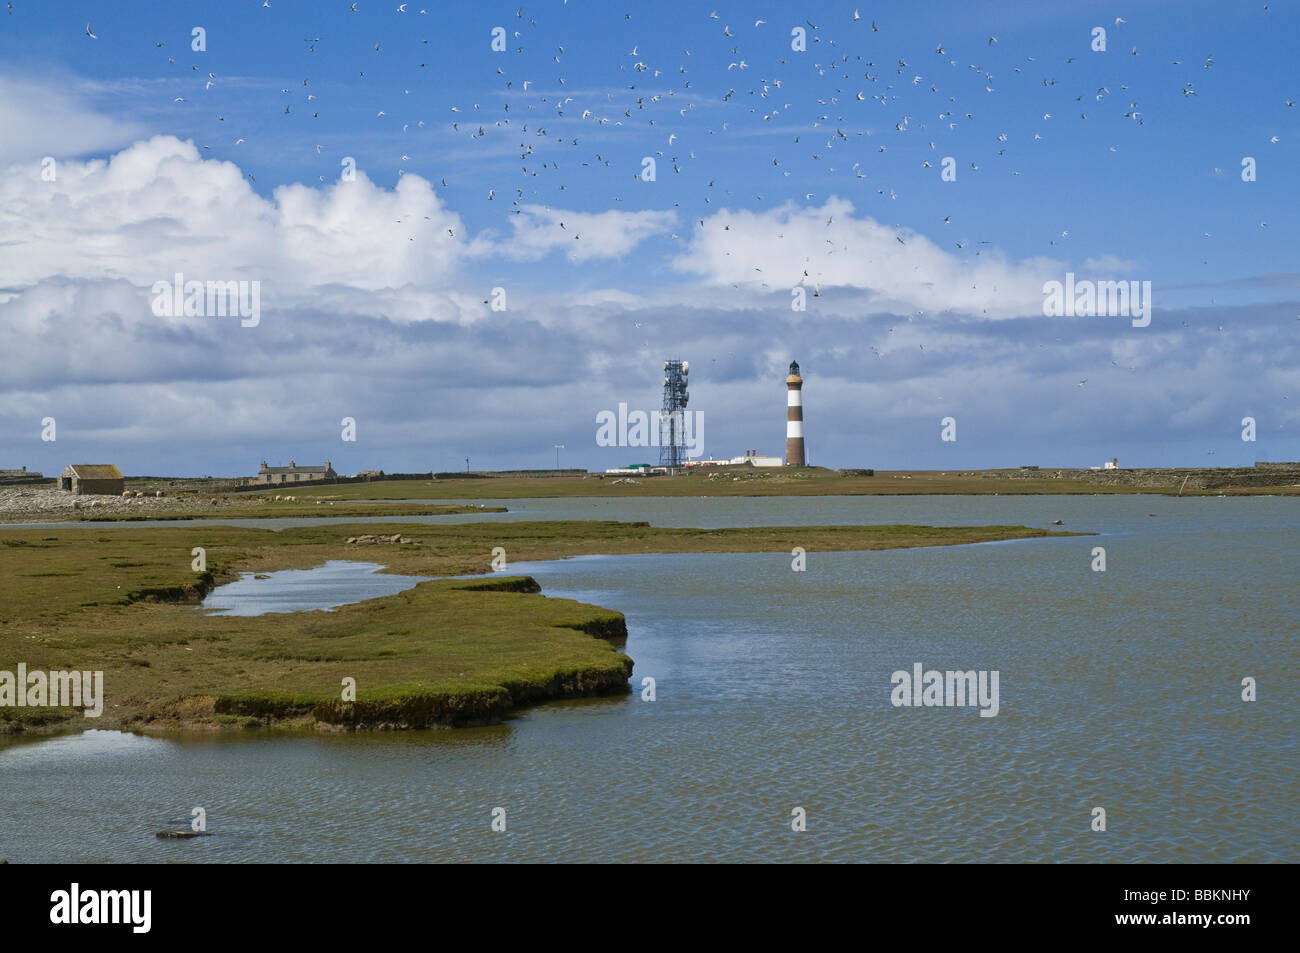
[235, 711]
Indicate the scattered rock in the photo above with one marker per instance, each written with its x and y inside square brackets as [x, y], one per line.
[371, 539]
[19, 503]
[1058, 523]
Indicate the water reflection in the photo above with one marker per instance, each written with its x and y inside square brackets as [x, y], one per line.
[338, 582]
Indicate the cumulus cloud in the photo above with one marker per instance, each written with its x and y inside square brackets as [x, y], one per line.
[893, 268]
[157, 208]
[582, 236]
[355, 273]
[43, 120]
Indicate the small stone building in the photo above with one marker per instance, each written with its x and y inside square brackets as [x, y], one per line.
[294, 473]
[92, 478]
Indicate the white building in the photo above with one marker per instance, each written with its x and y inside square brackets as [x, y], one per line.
[753, 459]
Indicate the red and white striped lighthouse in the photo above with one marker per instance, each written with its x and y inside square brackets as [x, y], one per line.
[794, 456]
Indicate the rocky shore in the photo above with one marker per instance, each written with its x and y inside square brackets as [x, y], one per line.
[23, 503]
[30, 504]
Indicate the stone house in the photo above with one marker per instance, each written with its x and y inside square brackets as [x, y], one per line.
[92, 478]
[294, 473]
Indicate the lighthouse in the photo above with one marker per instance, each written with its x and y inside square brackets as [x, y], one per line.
[794, 456]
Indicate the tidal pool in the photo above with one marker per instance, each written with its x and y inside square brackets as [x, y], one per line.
[337, 583]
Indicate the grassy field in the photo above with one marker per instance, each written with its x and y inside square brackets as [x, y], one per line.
[811, 481]
[273, 509]
[444, 653]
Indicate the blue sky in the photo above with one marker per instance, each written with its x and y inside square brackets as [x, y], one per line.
[790, 169]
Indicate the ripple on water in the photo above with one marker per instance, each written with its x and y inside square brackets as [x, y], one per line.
[1118, 689]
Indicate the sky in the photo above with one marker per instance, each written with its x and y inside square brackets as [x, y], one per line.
[472, 252]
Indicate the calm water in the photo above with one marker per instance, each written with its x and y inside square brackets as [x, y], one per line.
[1118, 689]
[335, 583]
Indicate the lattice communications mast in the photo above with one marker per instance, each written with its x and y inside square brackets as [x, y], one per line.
[672, 418]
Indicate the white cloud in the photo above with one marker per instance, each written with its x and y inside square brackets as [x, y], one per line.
[157, 208]
[582, 236]
[370, 313]
[42, 120]
[829, 247]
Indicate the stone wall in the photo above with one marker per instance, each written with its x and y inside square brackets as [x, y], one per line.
[108, 487]
[531, 473]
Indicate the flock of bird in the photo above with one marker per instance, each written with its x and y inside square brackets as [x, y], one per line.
[823, 126]
[831, 106]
